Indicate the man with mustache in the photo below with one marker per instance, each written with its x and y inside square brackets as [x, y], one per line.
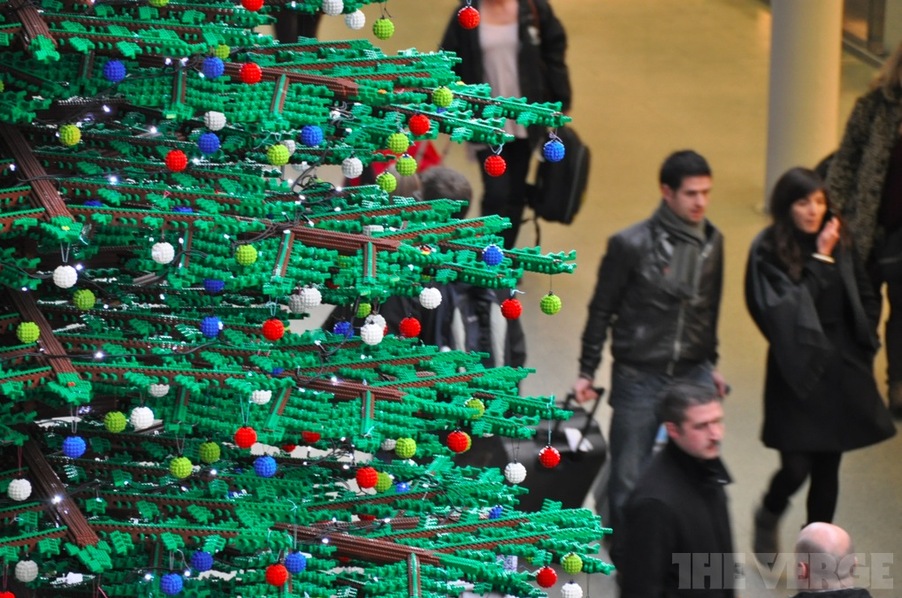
[675, 539]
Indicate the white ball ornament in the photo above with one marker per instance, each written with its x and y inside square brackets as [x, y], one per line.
[65, 277]
[355, 20]
[311, 297]
[372, 333]
[19, 489]
[377, 319]
[261, 397]
[351, 167]
[389, 444]
[158, 390]
[26, 571]
[290, 145]
[141, 418]
[296, 304]
[515, 472]
[214, 120]
[333, 7]
[571, 589]
[162, 253]
[430, 297]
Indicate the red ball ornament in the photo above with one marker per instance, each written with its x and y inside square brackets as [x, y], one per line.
[273, 329]
[495, 165]
[468, 17]
[366, 477]
[366, 517]
[511, 309]
[176, 160]
[459, 442]
[546, 577]
[245, 437]
[410, 327]
[289, 447]
[250, 73]
[419, 124]
[311, 437]
[252, 5]
[7, 595]
[276, 575]
[549, 457]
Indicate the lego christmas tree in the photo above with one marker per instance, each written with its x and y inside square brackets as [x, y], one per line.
[164, 431]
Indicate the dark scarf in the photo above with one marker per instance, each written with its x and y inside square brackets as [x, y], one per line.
[681, 249]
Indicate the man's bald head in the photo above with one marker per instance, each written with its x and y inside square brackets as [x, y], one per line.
[826, 556]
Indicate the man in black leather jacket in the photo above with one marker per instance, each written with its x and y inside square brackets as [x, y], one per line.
[658, 290]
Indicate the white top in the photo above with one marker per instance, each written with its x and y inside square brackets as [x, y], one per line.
[500, 47]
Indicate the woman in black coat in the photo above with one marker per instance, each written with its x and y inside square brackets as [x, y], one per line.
[812, 301]
[519, 49]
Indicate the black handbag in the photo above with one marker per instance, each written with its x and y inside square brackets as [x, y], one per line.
[580, 442]
[557, 194]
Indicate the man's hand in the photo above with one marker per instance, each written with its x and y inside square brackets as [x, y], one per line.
[723, 389]
[583, 391]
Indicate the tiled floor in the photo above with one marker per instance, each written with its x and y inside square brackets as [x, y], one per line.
[652, 76]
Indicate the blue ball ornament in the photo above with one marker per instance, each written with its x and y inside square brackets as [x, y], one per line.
[265, 466]
[311, 135]
[171, 584]
[295, 562]
[210, 326]
[402, 487]
[212, 67]
[495, 512]
[208, 143]
[492, 255]
[343, 328]
[74, 447]
[278, 371]
[94, 203]
[183, 210]
[114, 71]
[213, 285]
[201, 561]
[553, 150]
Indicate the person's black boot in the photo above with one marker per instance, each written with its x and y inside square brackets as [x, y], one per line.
[766, 540]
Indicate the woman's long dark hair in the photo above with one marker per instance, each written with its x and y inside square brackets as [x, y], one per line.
[795, 184]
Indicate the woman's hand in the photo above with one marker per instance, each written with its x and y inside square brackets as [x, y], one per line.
[828, 237]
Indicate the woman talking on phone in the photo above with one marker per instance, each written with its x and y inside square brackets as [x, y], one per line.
[812, 301]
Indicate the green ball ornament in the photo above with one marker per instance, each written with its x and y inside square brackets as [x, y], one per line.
[84, 299]
[28, 332]
[69, 135]
[364, 309]
[442, 97]
[158, 3]
[572, 564]
[550, 304]
[476, 404]
[2, 87]
[383, 28]
[180, 467]
[209, 452]
[246, 254]
[387, 182]
[406, 165]
[114, 421]
[397, 143]
[383, 481]
[221, 51]
[406, 448]
[277, 155]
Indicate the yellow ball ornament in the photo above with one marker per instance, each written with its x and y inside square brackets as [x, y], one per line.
[221, 51]
[406, 448]
[277, 155]
[387, 182]
[114, 421]
[180, 467]
[28, 332]
[246, 255]
[69, 135]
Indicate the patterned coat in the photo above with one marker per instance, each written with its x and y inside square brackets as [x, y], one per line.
[858, 170]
